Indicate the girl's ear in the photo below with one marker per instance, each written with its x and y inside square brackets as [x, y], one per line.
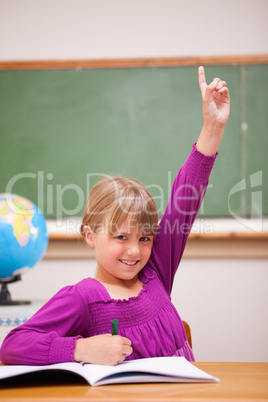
[89, 236]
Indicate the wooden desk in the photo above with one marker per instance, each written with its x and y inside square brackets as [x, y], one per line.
[239, 382]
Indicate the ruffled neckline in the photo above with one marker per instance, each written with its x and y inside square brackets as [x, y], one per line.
[145, 276]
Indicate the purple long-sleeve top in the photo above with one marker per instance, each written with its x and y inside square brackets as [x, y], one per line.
[149, 320]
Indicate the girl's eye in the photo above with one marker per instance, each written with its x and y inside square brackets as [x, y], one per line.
[144, 239]
[121, 237]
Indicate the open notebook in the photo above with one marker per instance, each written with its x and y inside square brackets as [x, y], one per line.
[155, 369]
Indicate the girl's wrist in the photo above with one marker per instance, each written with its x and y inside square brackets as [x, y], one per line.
[76, 352]
[213, 126]
[210, 138]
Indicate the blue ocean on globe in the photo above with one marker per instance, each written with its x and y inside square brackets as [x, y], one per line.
[23, 235]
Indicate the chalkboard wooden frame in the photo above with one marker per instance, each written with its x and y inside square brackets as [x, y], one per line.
[135, 63]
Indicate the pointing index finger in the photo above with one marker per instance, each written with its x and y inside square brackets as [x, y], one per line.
[202, 80]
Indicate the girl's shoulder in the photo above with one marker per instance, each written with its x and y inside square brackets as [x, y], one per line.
[91, 289]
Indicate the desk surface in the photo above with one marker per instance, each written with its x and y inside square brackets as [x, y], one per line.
[239, 382]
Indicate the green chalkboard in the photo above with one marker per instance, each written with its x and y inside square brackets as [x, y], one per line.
[61, 130]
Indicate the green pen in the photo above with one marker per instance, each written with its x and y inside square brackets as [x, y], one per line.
[114, 327]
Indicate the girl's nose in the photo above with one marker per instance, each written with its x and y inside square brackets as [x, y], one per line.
[134, 250]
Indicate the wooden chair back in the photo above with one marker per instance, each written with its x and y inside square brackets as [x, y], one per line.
[188, 333]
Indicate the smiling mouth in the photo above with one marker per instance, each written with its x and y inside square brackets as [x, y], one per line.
[129, 263]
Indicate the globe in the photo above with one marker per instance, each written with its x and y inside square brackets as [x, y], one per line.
[23, 236]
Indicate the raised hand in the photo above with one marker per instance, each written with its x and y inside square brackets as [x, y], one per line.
[102, 349]
[216, 110]
[216, 99]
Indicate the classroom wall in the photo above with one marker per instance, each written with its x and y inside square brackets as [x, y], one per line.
[224, 301]
[90, 29]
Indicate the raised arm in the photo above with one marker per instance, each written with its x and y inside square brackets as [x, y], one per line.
[216, 109]
[190, 185]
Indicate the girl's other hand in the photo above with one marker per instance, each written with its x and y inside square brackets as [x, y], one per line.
[102, 349]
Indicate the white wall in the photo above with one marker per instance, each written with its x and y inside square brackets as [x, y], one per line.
[224, 301]
[226, 304]
[90, 29]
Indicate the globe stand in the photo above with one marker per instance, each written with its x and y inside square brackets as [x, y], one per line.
[5, 298]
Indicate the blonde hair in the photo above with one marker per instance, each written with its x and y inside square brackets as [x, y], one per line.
[114, 199]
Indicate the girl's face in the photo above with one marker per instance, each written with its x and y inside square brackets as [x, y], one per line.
[121, 255]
